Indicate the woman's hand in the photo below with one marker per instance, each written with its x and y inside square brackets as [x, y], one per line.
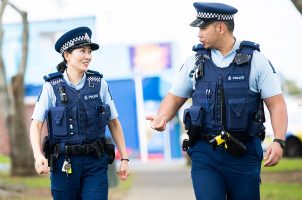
[41, 164]
[123, 171]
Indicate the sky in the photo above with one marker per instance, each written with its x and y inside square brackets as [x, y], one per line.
[275, 24]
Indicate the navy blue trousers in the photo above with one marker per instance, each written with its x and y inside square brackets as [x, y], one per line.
[88, 180]
[217, 175]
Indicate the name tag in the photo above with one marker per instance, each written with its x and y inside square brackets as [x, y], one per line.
[236, 77]
[88, 97]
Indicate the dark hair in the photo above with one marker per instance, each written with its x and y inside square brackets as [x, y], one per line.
[62, 65]
[230, 25]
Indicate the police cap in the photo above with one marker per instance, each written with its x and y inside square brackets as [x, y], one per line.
[210, 12]
[75, 38]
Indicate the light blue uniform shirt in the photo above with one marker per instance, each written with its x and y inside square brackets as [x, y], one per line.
[262, 75]
[47, 98]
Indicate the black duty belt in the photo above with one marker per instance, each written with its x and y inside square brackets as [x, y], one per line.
[97, 147]
[240, 136]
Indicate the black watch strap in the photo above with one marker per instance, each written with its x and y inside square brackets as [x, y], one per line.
[281, 142]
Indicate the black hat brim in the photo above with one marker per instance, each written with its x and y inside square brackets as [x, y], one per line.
[201, 22]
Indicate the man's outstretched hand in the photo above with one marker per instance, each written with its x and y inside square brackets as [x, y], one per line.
[157, 123]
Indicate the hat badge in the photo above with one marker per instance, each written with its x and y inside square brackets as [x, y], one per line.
[87, 37]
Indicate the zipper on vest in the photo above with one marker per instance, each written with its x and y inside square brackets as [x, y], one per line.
[80, 125]
[221, 103]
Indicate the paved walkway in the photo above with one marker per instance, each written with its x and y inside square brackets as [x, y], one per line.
[160, 180]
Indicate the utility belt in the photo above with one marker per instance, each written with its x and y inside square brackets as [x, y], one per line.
[97, 148]
[232, 143]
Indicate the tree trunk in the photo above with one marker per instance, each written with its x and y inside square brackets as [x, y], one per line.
[13, 109]
[21, 153]
[298, 4]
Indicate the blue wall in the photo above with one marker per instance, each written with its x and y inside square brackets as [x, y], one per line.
[123, 93]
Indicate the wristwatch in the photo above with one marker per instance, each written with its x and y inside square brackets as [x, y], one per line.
[281, 142]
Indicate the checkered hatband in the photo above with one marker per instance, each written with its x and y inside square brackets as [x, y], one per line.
[215, 16]
[77, 40]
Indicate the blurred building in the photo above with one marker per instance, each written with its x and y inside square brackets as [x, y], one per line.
[139, 77]
[142, 45]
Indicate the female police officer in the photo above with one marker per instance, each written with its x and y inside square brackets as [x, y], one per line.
[227, 80]
[77, 106]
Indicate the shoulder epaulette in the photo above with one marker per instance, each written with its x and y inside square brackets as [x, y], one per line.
[92, 72]
[50, 76]
[250, 44]
[197, 47]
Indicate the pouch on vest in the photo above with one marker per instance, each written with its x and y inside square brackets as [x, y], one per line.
[256, 127]
[110, 151]
[104, 114]
[197, 115]
[57, 119]
[187, 119]
[237, 118]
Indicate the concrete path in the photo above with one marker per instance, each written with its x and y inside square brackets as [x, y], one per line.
[160, 180]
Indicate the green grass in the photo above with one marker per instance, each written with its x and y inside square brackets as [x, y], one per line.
[271, 190]
[286, 164]
[4, 159]
[281, 191]
[28, 182]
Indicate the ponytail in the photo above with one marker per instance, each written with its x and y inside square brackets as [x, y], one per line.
[61, 66]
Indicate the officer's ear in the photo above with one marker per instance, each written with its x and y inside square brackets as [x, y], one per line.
[66, 55]
[221, 27]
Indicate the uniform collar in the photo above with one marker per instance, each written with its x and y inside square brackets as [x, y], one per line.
[235, 47]
[79, 85]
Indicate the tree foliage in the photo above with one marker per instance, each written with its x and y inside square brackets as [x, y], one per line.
[291, 88]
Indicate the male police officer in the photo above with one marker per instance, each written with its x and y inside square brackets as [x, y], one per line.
[228, 80]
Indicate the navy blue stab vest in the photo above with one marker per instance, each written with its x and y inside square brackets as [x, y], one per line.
[240, 103]
[80, 116]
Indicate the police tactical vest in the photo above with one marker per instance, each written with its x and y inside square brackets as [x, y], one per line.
[79, 116]
[222, 98]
